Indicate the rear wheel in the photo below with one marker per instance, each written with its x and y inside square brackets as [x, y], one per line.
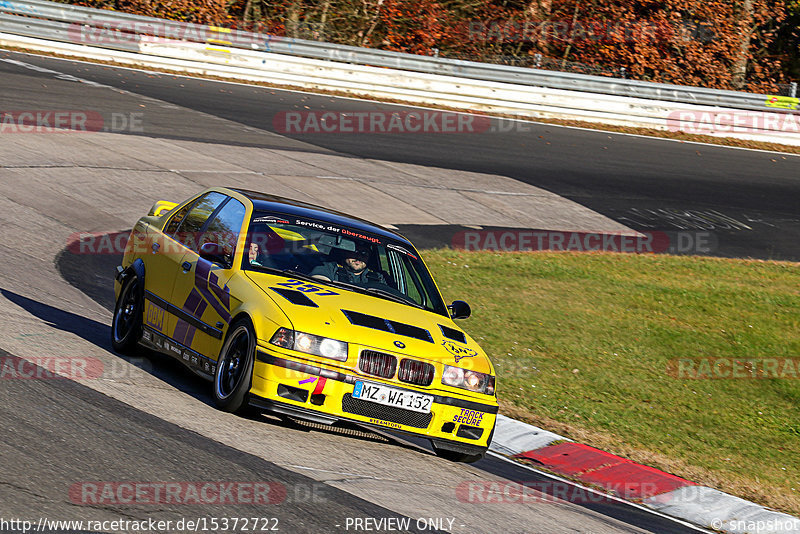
[126, 327]
[234, 374]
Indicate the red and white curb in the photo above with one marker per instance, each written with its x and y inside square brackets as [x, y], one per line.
[660, 491]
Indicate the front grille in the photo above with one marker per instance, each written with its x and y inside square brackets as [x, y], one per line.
[377, 363]
[385, 413]
[416, 372]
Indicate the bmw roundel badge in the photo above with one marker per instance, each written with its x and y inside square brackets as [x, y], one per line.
[399, 344]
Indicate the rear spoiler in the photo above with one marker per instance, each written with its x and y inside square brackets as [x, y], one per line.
[161, 207]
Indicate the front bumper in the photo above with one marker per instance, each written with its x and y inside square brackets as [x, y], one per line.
[310, 391]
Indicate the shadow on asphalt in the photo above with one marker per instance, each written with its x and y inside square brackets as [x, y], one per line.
[93, 274]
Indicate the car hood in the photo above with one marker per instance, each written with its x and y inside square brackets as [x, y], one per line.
[372, 322]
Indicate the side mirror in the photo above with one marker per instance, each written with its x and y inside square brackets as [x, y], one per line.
[214, 253]
[459, 309]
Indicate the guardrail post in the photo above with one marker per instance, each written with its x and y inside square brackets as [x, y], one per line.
[622, 72]
[793, 89]
[537, 60]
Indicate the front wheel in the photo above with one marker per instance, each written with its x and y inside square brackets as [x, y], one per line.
[234, 374]
[126, 327]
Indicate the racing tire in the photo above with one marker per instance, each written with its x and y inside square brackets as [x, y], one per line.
[455, 456]
[234, 374]
[126, 326]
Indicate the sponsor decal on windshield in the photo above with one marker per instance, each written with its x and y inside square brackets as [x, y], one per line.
[403, 250]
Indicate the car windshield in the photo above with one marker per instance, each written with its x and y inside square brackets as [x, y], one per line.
[340, 256]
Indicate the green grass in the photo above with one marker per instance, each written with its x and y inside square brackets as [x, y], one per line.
[582, 343]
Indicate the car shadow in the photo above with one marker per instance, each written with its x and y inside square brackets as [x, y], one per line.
[92, 274]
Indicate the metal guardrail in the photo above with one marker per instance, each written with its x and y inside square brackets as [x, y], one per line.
[123, 31]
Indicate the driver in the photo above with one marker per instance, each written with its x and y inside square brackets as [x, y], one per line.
[353, 270]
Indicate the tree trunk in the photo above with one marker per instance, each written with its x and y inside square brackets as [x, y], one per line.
[739, 69]
[323, 20]
[375, 20]
[293, 19]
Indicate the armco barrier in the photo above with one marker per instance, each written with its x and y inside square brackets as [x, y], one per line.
[77, 16]
[427, 89]
[520, 92]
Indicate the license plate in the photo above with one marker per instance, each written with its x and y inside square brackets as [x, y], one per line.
[399, 398]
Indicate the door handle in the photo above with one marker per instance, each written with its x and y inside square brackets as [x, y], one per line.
[186, 266]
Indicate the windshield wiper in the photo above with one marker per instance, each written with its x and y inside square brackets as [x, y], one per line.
[345, 285]
[374, 291]
[302, 276]
[287, 272]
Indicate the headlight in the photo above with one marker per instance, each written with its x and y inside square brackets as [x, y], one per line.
[471, 380]
[310, 344]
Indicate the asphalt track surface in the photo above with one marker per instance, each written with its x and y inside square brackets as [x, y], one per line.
[748, 201]
[57, 432]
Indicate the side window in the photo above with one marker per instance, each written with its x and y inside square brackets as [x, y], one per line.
[224, 228]
[406, 277]
[194, 221]
[177, 218]
[413, 285]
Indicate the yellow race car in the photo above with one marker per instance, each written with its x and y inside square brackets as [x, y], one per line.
[296, 309]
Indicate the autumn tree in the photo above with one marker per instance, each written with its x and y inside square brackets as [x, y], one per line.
[731, 44]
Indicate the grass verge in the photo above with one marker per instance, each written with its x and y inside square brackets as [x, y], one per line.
[585, 345]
